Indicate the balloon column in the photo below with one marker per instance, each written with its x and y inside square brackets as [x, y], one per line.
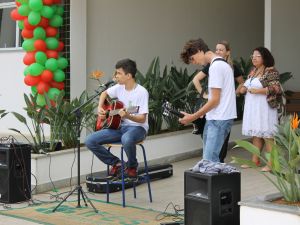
[39, 21]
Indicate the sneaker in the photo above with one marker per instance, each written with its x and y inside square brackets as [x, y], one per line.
[196, 130]
[115, 170]
[131, 172]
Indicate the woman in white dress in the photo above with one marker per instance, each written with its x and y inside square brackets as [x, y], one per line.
[263, 95]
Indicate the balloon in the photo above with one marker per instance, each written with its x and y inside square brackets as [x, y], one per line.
[33, 90]
[53, 93]
[34, 18]
[52, 43]
[44, 23]
[29, 58]
[36, 5]
[47, 12]
[59, 75]
[32, 80]
[36, 69]
[24, 10]
[22, 1]
[51, 31]
[51, 64]
[21, 24]
[26, 71]
[27, 25]
[42, 87]
[40, 57]
[58, 85]
[28, 45]
[62, 63]
[47, 76]
[18, 4]
[56, 21]
[52, 54]
[40, 45]
[61, 46]
[15, 15]
[27, 33]
[47, 2]
[40, 100]
[60, 10]
[57, 1]
[39, 33]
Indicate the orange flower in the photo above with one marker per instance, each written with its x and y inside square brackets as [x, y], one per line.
[295, 121]
[97, 74]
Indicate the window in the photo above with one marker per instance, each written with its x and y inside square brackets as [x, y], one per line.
[10, 35]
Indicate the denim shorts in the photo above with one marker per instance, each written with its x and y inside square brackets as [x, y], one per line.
[215, 133]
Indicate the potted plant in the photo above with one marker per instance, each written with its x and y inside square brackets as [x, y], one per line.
[285, 164]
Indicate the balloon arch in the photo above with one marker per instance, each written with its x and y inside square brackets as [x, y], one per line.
[39, 21]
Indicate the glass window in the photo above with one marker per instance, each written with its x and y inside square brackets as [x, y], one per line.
[9, 32]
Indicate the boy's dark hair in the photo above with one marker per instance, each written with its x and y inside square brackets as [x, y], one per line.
[267, 57]
[191, 48]
[128, 65]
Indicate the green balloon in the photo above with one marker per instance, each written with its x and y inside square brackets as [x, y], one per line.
[47, 12]
[52, 43]
[22, 1]
[39, 33]
[60, 10]
[54, 7]
[21, 24]
[41, 100]
[36, 69]
[33, 90]
[62, 63]
[28, 45]
[34, 18]
[40, 57]
[59, 75]
[36, 5]
[56, 21]
[53, 93]
[51, 64]
[26, 71]
[24, 10]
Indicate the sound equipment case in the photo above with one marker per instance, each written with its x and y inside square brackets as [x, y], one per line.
[211, 199]
[97, 182]
[15, 172]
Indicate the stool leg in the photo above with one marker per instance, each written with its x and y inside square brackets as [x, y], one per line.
[123, 182]
[107, 182]
[147, 172]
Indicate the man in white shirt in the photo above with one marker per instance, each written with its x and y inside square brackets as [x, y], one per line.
[134, 127]
[220, 109]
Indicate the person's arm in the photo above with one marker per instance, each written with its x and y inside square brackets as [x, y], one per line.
[211, 103]
[196, 80]
[243, 90]
[240, 81]
[138, 118]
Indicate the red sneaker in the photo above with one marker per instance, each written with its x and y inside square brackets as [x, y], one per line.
[131, 172]
[115, 170]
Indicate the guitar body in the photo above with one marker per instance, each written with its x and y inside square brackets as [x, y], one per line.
[112, 122]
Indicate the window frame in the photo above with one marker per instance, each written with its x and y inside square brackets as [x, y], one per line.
[12, 4]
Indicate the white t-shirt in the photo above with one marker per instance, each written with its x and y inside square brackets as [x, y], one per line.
[221, 76]
[139, 96]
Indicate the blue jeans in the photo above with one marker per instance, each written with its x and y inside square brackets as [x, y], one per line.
[215, 133]
[127, 135]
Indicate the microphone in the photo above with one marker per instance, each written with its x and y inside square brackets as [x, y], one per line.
[108, 84]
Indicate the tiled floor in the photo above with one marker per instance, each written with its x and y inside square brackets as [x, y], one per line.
[165, 191]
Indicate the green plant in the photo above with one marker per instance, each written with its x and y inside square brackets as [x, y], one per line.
[284, 158]
[37, 115]
[3, 113]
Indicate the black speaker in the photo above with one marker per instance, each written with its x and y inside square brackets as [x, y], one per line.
[15, 172]
[211, 199]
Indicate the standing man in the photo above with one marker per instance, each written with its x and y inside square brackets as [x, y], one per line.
[133, 128]
[220, 109]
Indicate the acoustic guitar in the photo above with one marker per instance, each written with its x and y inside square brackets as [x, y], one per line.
[113, 119]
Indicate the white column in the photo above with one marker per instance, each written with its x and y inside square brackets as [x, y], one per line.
[268, 21]
[78, 27]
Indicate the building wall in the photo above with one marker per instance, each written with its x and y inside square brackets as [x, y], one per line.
[144, 29]
[285, 36]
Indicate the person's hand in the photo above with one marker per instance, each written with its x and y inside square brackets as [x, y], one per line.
[205, 95]
[188, 118]
[101, 113]
[123, 113]
[252, 90]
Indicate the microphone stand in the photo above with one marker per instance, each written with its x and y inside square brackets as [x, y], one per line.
[78, 188]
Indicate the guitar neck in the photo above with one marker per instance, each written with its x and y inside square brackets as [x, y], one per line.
[176, 113]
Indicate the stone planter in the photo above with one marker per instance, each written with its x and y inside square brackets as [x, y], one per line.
[262, 211]
[60, 166]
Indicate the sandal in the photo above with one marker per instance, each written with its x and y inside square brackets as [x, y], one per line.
[245, 166]
[266, 169]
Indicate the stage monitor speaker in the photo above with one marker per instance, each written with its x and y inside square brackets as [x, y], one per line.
[15, 172]
[211, 199]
